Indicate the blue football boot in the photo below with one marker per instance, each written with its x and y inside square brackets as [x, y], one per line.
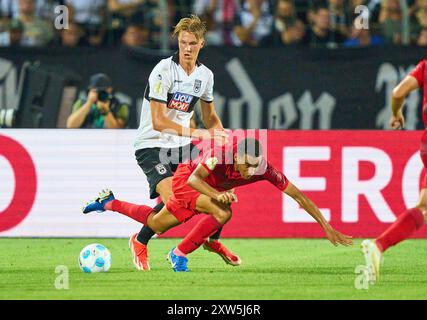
[98, 204]
[179, 264]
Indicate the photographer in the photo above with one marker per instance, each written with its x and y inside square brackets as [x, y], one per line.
[101, 109]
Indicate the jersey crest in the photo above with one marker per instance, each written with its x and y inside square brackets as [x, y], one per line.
[197, 86]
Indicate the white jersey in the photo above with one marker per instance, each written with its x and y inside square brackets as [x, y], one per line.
[170, 84]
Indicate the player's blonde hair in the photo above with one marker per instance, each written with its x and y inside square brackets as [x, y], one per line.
[191, 24]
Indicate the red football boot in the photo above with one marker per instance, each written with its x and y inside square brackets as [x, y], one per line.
[225, 254]
[139, 253]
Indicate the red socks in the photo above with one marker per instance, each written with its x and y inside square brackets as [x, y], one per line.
[136, 212]
[405, 225]
[202, 230]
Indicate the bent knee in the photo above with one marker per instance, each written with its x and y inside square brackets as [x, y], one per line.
[222, 216]
[154, 225]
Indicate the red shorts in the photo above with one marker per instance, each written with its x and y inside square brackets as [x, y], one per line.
[182, 203]
[423, 154]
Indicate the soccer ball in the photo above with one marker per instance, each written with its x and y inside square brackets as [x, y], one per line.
[95, 258]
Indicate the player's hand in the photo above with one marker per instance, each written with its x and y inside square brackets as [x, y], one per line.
[397, 122]
[337, 238]
[227, 197]
[92, 96]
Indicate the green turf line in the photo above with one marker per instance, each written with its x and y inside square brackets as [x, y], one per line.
[271, 269]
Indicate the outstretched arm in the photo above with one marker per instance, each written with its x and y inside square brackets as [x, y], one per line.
[333, 236]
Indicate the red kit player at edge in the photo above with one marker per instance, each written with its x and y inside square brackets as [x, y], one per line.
[205, 185]
[414, 218]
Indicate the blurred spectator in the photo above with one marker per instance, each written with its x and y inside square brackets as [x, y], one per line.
[37, 32]
[219, 16]
[338, 17]
[312, 8]
[101, 109]
[154, 20]
[91, 16]
[418, 19]
[287, 29]
[422, 38]
[10, 8]
[320, 34]
[182, 8]
[129, 10]
[353, 4]
[123, 13]
[73, 36]
[135, 36]
[6, 14]
[390, 19]
[417, 5]
[255, 22]
[363, 38]
[13, 35]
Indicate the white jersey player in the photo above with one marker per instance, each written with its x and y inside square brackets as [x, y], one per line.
[174, 86]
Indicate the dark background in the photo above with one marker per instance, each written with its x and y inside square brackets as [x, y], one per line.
[348, 75]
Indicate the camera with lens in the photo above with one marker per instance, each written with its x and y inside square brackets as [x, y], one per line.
[103, 95]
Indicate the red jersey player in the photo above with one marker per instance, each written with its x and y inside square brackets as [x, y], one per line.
[206, 186]
[413, 219]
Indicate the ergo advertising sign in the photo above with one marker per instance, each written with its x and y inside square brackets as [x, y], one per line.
[361, 180]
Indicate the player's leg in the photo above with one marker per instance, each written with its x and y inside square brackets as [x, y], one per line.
[162, 221]
[217, 215]
[107, 201]
[213, 244]
[159, 223]
[406, 224]
[162, 165]
[161, 180]
[159, 176]
[164, 189]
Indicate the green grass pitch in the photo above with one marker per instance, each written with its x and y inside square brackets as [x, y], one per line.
[271, 269]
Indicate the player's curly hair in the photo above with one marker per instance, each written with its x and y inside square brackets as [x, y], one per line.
[191, 24]
[249, 146]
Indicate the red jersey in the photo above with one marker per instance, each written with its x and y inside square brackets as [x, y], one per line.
[420, 73]
[219, 161]
[222, 176]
